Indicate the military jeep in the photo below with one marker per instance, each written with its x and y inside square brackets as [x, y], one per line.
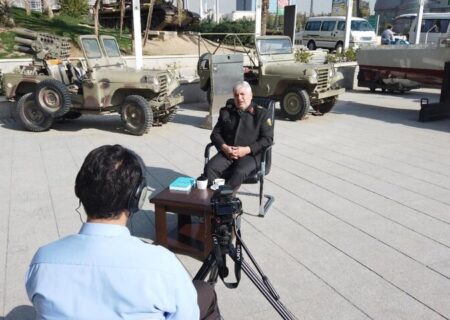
[57, 87]
[274, 73]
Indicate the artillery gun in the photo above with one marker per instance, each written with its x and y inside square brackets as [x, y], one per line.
[54, 86]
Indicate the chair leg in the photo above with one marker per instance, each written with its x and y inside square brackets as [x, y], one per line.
[264, 206]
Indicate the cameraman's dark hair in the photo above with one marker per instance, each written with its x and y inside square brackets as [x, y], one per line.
[106, 180]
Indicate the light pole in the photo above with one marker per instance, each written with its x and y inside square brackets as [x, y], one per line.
[419, 22]
[348, 24]
[137, 34]
[258, 18]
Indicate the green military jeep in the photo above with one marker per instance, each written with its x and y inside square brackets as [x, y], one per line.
[55, 86]
[273, 72]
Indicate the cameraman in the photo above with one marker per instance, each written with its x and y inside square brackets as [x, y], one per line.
[242, 131]
[105, 273]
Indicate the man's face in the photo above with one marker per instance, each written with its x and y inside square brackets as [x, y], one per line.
[242, 97]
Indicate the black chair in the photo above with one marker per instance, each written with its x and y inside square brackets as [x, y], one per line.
[266, 161]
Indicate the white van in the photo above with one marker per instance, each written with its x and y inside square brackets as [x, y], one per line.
[329, 32]
[434, 26]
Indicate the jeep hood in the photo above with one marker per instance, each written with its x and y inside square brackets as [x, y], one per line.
[290, 68]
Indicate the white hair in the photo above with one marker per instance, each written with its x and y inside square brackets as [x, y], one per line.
[242, 85]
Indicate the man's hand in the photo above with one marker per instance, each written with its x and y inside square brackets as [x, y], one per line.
[240, 152]
[227, 150]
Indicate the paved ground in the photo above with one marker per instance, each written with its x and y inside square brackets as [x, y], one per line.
[360, 228]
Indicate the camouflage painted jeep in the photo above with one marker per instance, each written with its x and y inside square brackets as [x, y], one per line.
[273, 72]
[54, 86]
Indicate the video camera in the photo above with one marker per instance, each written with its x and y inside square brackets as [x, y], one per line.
[224, 203]
[225, 209]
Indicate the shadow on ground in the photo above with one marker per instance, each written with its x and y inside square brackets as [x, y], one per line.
[142, 223]
[20, 313]
[106, 123]
[407, 117]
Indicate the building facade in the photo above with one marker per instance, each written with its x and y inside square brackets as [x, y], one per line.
[244, 5]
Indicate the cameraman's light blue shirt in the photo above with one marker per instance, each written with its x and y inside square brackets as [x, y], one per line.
[105, 273]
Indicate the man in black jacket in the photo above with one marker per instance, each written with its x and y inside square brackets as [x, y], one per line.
[242, 131]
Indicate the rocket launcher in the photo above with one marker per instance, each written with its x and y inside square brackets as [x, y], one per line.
[43, 46]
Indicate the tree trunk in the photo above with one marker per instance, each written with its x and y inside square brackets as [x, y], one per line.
[47, 8]
[149, 21]
[27, 6]
[96, 10]
[180, 8]
[358, 8]
[264, 15]
[122, 14]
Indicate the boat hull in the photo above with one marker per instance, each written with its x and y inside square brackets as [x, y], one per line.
[420, 64]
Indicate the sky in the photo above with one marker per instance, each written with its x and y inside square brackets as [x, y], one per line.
[226, 6]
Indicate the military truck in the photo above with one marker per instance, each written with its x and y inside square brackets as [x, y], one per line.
[273, 72]
[54, 86]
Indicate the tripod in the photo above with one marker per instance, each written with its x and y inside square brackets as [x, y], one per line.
[215, 265]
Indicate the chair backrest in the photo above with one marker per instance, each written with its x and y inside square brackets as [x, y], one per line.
[270, 105]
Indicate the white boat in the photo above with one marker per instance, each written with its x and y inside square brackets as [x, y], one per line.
[422, 64]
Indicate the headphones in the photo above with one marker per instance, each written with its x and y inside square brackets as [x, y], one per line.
[140, 190]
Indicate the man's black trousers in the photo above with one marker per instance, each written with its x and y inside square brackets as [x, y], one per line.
[234, 171]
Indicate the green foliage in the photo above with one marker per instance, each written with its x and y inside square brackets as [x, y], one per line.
[227, 26]
[303, 55]
[74, 8]
[347, 56]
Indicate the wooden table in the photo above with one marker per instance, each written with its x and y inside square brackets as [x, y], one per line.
[190, 237]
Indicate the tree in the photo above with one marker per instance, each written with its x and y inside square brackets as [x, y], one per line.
[47, 8]
[122, 14]
[264, 14]
[149, 21]
[96, 11]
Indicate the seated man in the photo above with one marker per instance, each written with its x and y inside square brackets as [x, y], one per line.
[242, 131]
[105, 273]
[387, 37]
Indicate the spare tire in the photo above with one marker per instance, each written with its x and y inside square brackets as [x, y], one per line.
[52, 97]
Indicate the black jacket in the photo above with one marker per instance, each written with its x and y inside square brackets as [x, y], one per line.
[252, 127]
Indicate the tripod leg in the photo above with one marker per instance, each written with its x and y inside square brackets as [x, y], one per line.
[214, 274]
[276, 304]
[206, 267]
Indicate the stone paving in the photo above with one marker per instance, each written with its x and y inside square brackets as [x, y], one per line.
[360, 227]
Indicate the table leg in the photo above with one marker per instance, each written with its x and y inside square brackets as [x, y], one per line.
[207, 239]
[161, 225]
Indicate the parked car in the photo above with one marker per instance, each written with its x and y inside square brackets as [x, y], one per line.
[55, 87]
[275, 73]
[329, 33]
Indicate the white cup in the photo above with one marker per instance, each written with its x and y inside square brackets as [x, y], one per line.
[202, 184]
[219, 182]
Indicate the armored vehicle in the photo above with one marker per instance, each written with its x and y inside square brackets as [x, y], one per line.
[54, 86]
[165, 16]
[274, 73]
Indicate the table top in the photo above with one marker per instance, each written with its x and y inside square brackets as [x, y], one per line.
[195, 197]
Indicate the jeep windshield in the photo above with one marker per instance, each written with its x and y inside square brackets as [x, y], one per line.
[274, 46]
[92, 48]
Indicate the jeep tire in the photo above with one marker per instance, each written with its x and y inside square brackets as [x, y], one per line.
[136, 115]
[326, 106]
[170, 116]
[295, 103]
[30, 115]
[52, 97]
